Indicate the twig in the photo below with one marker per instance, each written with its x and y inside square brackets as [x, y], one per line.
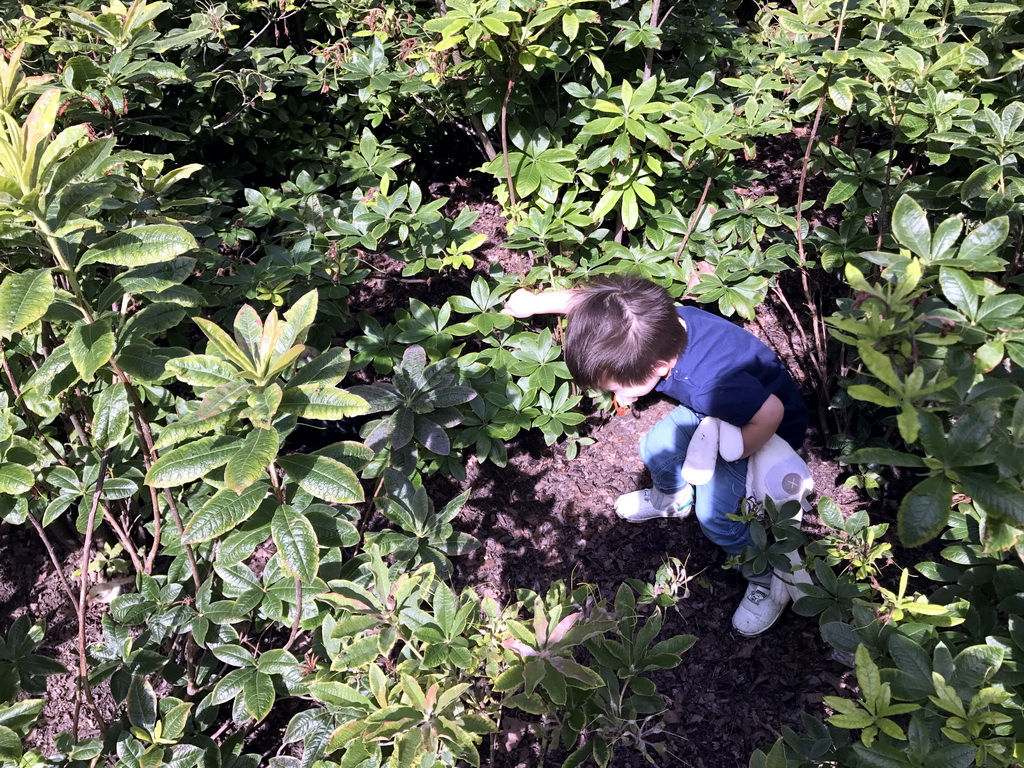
[157, 529]
[792, 314]
[474, 119]
[365, 519]
[122, 536]
[649, 56]
[83, 592]
[256, 36]
[53, 559]
[883, 211]
[149, 456]
[298, 614]
[693, 220]
[818, 358]
[504, 142]
[196, 579]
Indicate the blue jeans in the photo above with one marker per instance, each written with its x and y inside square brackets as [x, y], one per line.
[663, 450]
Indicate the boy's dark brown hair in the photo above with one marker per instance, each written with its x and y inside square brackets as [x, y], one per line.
[621, 327]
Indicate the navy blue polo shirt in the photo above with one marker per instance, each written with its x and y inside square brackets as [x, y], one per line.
[727, 372]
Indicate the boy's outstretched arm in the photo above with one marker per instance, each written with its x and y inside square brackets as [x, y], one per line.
[524, 303]
[762, 426]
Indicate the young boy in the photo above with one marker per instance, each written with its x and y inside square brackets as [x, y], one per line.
[626, 336]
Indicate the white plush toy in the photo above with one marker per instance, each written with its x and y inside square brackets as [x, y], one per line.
[775, 472]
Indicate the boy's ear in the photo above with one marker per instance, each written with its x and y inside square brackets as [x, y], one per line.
[662, 370]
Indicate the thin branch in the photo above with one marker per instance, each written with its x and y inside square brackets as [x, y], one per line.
[298, 614]
[649, 56]
[83, 593]
[818, 359]
[365, 519]
[53, 559]
[196, 578]
[693, 220]
[157, 529]
[504, 142]
[122, 536]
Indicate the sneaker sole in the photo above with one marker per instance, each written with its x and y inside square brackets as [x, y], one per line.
[758, 634]
[660, 516]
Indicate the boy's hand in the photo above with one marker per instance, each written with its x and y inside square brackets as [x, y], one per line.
[522, 303]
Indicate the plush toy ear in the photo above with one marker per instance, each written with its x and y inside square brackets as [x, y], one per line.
[730, 442]
[702, 454]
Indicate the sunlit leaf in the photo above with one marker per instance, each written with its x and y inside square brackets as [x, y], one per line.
[324, 478]
[296, 543]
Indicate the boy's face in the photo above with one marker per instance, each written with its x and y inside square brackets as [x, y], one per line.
[626, 394]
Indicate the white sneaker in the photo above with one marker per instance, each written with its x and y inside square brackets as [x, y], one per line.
[650, 503]
[760, 607]
[794, 579]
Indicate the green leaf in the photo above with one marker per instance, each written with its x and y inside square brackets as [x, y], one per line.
[248, 330]
[153, 320]
[842, 191]
[871, 394]
[958, 288]
[982, 180]
[298, 321]
[258, 695]
[337, 694]
[256, 452]
[841, 95]
[10, 746]
[328, 369]
[983, 240]
[112, 416]
[138, 246]
[190, 462]
[263, 406]
[141, 703]
[15, 479]
[998, 499]
[883, 456]
[324, 478]
[322, 401]
[24, 298]
[224, 344]
[924, 511]
[296, 543]
[223, 512]
[222, 399]
[910, 225]
[880, 365]
[91, 347]
[201, 370]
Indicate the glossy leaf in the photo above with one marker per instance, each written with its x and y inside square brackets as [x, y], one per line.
[258, 695]
[15, 479]
[910, 225]
[320, 401]
[924, 511]
[225, 511]
[257, 450]
[323, 477]
[91, 347]
[190, 462]
[296, 543]
[112, 416]
[24, 298]
[139, 246]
